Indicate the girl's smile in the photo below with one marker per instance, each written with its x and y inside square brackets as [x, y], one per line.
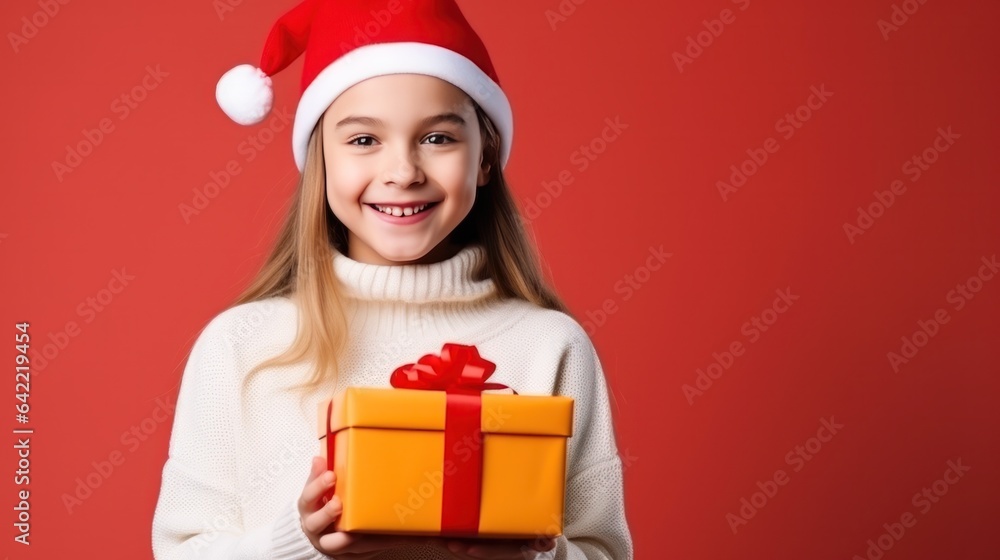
[403, 214]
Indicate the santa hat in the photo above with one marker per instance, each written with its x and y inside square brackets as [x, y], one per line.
[346, 42]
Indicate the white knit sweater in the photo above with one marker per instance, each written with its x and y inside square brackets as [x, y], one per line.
[236, 469]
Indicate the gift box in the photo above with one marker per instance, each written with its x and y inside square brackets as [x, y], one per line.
[435, 455]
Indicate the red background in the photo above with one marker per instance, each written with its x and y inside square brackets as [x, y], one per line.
[688, 464]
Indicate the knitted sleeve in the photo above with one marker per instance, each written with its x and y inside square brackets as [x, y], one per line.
[595, 526]
[198, 513]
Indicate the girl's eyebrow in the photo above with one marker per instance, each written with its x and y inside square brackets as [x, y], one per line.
[432, 120]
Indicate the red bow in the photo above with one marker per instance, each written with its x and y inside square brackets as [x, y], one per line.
[459, 369]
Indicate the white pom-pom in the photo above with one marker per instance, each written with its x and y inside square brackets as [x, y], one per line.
[245, 94]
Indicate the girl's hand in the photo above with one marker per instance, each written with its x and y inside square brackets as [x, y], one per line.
[317, 515]
[500, 549]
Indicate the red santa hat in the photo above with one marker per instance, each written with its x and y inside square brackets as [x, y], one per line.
[346, 42]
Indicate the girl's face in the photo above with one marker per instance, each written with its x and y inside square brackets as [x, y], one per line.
[399, 142]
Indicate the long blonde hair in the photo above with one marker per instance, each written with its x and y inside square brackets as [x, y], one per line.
[300, 265]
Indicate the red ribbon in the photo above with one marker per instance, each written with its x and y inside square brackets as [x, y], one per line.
[461, 373]
[330, 440]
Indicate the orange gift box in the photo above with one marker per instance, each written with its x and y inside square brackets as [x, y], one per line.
[436, 456]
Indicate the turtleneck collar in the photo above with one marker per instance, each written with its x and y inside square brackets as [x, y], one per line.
[450, 280]
[439, 301]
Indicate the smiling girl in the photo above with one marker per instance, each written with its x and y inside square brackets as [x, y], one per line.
[402, 235]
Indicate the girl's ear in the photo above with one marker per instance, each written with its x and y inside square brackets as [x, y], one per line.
[484, 172]
[484, 175]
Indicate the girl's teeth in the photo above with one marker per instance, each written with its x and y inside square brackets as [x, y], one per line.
[397, 211]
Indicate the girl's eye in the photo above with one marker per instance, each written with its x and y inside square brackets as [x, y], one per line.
[440, 136]
[356, 138]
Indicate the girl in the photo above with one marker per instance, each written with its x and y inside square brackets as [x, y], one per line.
[402, 235]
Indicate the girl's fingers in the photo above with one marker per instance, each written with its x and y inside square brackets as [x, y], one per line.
[322, 518]
[338, 542]
[355, 543]
[318, 485]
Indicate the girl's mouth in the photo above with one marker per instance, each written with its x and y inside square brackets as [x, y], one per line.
[403, 215]
[402, 210]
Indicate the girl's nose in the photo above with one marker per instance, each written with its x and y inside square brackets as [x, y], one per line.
[405, 168]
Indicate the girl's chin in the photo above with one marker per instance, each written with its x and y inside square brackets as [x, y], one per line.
[394, 255]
